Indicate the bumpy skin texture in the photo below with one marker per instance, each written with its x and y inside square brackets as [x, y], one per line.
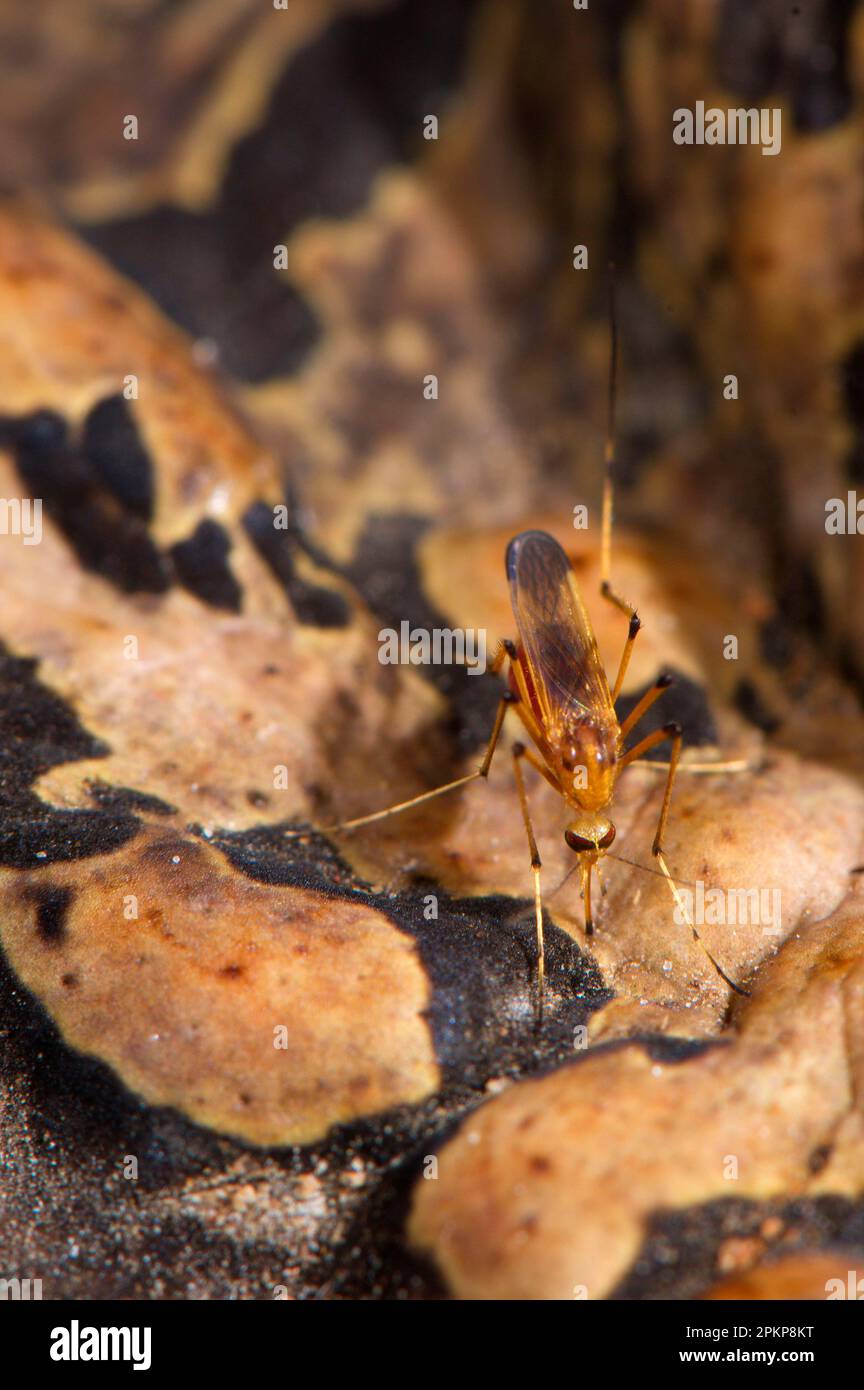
[179, 682]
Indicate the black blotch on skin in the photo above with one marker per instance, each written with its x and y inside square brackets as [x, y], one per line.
[312, 604]
[113, 798]
[776, 642]
[749, 702]
[82, 1115]
[480, 955]
[201, 564]
[679, 1256]
[52, 905]
[384, 571]
[113, 447]
[106, 537]
[685, 702]
[818, 1157]
[800, 597]
[747, 49]
[349, 104]
[800, 53]
[38, 731]
[670, 1049]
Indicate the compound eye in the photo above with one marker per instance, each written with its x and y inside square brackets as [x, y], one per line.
[578, 842]
[608, 838]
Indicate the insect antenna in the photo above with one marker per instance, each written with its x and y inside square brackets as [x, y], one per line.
[633, 863]
[664, 872]
[739, 989]
[609, 448]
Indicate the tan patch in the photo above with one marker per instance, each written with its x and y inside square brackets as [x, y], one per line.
[235, 719]
[183, 1000]
[786, 827]
[72, 332]
[625, 1137]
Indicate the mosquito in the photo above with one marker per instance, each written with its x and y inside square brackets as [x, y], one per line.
[558, 688]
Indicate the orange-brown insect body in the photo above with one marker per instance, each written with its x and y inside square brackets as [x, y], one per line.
[558, 687]
[561, 692]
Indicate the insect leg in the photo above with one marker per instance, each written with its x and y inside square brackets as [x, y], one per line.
[519, 752]
[734, 765]
[481, 771]
[670, 731]
[673, 732]
[642, 707]
[505, 650]
[585, 866]
[632, 633]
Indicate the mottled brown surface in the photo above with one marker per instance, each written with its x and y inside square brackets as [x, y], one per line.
[255, 699]
[268, 1014]
[536, 1195]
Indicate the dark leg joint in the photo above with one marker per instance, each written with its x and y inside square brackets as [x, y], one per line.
[518, 750]
[511, 697]
[509, 647]
[536, 861]
[673, 729]
[665, 680]
[635, 624]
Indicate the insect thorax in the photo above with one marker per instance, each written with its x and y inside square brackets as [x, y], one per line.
[586, 758]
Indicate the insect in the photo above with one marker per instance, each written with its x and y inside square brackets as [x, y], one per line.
[558, 688]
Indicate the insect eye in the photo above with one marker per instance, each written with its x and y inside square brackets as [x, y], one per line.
[578, 842]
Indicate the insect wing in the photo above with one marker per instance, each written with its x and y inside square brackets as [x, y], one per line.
[555, 631]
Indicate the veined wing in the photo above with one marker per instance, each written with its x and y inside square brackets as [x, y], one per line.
[555, 632]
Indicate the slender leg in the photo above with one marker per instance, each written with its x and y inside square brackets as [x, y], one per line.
[531, 757]
[600, 879]
[482, 771]
[662, 683]
[632, 633]
[585, 867]
[670, 731]
[519, 752]
[704, 769]
[673, 732]
[505, 649]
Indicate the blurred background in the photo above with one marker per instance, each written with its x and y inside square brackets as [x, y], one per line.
[455, 257]
[355, 208]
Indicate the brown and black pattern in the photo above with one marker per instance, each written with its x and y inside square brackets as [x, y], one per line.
[156, 923]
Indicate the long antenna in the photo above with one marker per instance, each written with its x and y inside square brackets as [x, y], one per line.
[663, 872]
[609, 451]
